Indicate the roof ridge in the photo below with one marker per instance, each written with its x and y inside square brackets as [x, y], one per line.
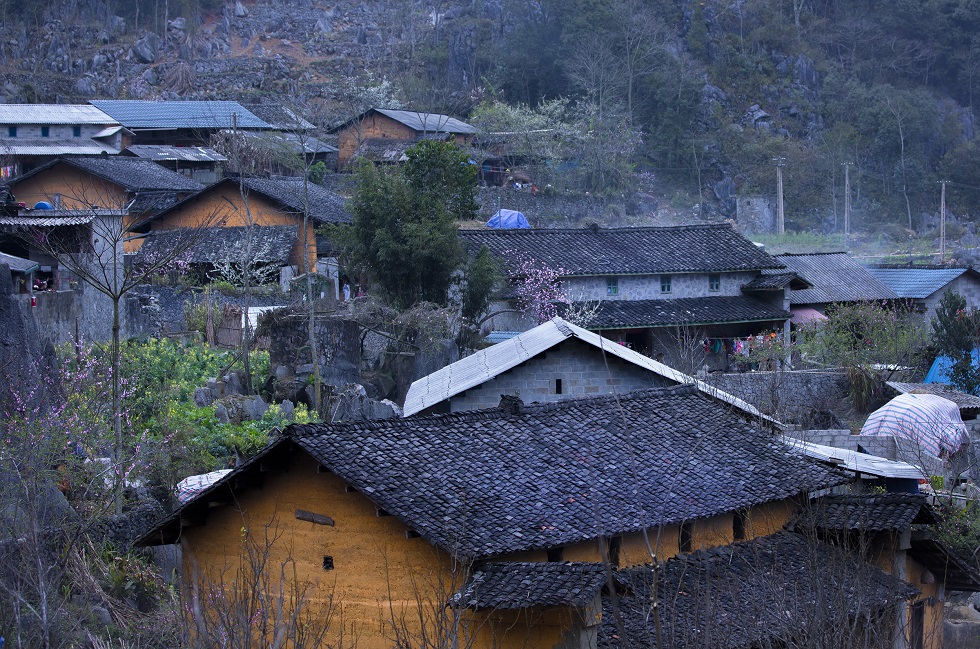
[601, 229]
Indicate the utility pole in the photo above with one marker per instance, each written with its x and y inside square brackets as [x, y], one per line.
[847, 201]
[942, 222]
[780, 216]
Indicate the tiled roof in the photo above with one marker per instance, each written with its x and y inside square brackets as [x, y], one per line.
[175, 153]
[17, 264]
[279, 117]
[836, 277]
[869, 512]
[289, 143]
[151, 114]
[325, 206]
[629, 251]
[956, 572]
[42, 146]
[765, 592]
[490, 482]
[15, 114]
[769, 282]
[626, 314]
[133, 174]
[493, 361]
[270, 244]
[428, 122]
[916, 283]
[383, 150]
[962, 399]
[514, 585]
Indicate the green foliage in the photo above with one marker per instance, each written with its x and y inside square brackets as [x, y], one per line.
[316, 172]
[862, 334]
[959, 528]
[404, 232]
[483, 275]
[956, 333]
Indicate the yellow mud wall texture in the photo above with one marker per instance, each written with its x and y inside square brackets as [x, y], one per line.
[223, 206]
[75, 188]
[917, 575]
[372, 126]
[382, 583]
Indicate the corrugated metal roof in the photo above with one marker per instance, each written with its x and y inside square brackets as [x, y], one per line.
[428, 122]
[55, 147]
[493, 361]
[140, 114]
[916, 283]
[854, 461]
[18, 264]
[836, 277]
[53, 114]
[176, 153]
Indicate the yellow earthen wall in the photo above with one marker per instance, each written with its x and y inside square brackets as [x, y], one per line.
[223, 206]
[378, 576]
[934, 611]
[78, 189]
[372, 126]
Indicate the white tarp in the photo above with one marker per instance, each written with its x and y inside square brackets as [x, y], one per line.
[195, 484]
[931, 422]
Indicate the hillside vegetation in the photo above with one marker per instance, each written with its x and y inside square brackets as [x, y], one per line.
[701, 96]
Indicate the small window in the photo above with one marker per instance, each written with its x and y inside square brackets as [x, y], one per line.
[76, 131]
[45, 131]
[738, 525]
[685, 538]
[615, 543]
[665, 283]
[612, 286]
[556, 554]
[714, 282]
[328, 563]
[557, 386]
[11, 131]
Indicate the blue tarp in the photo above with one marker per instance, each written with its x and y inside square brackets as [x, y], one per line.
[939, 372]
[508, 220]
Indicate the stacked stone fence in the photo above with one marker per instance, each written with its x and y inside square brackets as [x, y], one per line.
[787, 395]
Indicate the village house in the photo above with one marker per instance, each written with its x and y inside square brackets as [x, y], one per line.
[178, 123]
[136, 188]
[925, 286]
[196, 162]
[393, 131]
[835, 278]
[511, 515]
[669, 292]
[270, 211]
[555, 360]
[34, 134]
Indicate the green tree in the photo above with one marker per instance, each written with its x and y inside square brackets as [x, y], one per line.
[955, 333]
[404, 232]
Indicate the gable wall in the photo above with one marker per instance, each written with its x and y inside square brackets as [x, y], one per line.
[379, 575]
[374, 125]
[78, 189]
[223, 206]
[55, 131]
[581, 368]
[965, 285]
[647, 287]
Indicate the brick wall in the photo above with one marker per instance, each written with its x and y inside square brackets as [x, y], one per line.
[580, 367]
[880, 445]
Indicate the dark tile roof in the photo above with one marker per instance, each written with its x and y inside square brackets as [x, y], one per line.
[956, 572]
[383, 150]
[836, 277]
[626, 314]
[270, 244]
[135, 174]
[515, 585]
[153, 114]
[279, 117]
[629, 251]
[325, 206]
[776, 280]
[966, 402]
[776, 590]
[868, 512]
[490, 482]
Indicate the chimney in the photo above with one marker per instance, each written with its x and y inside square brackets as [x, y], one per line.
[511, 404]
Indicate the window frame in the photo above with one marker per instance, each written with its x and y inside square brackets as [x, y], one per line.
[666, 284]
[45, 131]
[11, 131]
[612, 286]
[714, 282]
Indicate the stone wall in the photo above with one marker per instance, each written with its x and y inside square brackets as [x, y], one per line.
[787, 395]
[580, 367]
[647, 287]
[338, 345]
[63, 315]
[559, 210]
[755, 215]
[880, 445]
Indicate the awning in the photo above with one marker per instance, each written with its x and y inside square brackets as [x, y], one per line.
[805, 315]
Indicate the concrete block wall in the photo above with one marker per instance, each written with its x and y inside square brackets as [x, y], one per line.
[647, 287]
[880, 445]
[786, 395]
[581, 368]
[965, 285]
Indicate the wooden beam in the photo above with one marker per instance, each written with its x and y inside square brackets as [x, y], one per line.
[318, 519]
[412, 534]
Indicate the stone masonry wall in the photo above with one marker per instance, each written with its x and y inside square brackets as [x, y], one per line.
[580, 367]
[338, 344]
[647, 287]
[786, 395]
